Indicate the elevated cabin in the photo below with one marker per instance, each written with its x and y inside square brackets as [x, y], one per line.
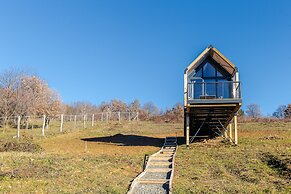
[212, 97]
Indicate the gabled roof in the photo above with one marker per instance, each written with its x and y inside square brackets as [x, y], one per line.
[215, 55]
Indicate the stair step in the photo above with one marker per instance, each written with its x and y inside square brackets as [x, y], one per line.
[159, 170]
[160, 163]
[153, 181]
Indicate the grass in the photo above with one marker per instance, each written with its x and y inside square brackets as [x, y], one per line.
[67, 164]
[106, 158]
[261, 163]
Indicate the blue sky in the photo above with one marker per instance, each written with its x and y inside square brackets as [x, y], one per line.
[100, 50]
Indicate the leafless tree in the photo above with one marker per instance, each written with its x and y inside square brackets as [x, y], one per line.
[9, 91]
[253, 111]
[134, 106]
[82, 108]
[151, 109]
[287, 112]
[280, 112]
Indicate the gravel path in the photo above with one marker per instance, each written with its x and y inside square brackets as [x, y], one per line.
[157, 175]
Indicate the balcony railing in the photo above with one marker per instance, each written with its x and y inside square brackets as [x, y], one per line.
[214, 90]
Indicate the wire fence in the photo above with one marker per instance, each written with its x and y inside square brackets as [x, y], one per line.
[41, 126]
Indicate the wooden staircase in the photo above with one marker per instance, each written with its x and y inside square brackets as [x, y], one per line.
[158, 172]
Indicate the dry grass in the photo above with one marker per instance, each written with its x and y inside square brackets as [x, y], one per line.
[261, 163]
[67, 165]
[106, 158]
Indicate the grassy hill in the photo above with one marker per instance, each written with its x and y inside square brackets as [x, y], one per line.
[106, 158]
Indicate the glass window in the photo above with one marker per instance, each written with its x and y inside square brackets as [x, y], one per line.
[198, 73]
[209, 70]
[210, 87]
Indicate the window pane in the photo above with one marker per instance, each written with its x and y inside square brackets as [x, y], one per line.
[209, 70]
[198, 73]
[210, 87]
[224, 89]
[198, 88]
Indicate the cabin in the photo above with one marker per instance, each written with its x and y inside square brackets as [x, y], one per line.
[212, 97]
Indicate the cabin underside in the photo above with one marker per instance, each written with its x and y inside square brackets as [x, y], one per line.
[209, 118]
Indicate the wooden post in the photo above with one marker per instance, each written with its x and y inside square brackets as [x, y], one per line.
[75, 122]
[102, 116]
[84, 121]
[27, 124]
[230, 132]
[93, 120]
[43, 125]
[107, 117]
[235, 130]
[118, 117]
[225, 133]
[136, 116]
[62, 120]
[129, 116]
[18, 126]
[187, 129]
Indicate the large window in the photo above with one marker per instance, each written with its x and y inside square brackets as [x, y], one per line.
[211, 80]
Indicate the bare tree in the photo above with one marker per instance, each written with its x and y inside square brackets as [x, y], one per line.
[9, 91]
[82, 108]
[280, 112]
[288, 111]
[253, 110]
[151, 109]
[134, 106]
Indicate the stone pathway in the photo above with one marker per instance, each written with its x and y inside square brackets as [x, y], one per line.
[158, 174]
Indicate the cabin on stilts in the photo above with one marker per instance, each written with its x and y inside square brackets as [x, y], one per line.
[212, 97]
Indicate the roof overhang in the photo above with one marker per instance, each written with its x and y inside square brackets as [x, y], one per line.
[215, 55]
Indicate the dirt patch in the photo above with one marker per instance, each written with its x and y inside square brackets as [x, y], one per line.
[271, 137]
[281, 165]
[19, 147]
[26, 171]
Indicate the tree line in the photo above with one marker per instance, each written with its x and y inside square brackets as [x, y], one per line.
[253, 111]
[23, 94]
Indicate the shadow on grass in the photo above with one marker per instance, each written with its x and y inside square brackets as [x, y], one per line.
[134, 140]
[128, 140]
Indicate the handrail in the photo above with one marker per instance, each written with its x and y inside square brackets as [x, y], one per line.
[214, 90]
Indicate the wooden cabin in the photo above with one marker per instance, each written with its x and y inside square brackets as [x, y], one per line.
[212, 97]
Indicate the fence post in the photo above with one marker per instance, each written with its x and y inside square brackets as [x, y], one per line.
[5, 123]
[93, 120]
[136, 116]
[26, 126]
[129, 116]
[84, 121]
[119, 119]
[75, 122]
[62, 120]
[102, 116]
[43, 125]
[107, 117]
[18, 126]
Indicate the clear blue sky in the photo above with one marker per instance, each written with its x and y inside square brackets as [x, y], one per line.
[100, 50]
